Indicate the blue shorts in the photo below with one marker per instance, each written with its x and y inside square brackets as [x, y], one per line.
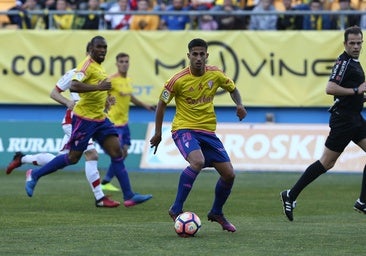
[124, 135]
[83, 130]
[212, 148]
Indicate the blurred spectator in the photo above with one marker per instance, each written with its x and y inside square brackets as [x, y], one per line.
[175, 22]
[144, 21]
[229, 21]
[162, 5]
[63, 21]
[207, 22]
[263, 22]
[316, 21]
[204, 22]
[118, 21]
[88, 21]
[363, 22]
[345, 21]
[37, 20]
[47, 4]
[288, 21]
[22, 19]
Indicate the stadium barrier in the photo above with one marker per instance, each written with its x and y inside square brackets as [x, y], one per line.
[192, 14]
[251, 147]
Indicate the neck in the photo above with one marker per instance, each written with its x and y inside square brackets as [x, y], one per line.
[197, 72]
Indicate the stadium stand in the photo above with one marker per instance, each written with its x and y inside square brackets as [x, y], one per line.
[4, 6]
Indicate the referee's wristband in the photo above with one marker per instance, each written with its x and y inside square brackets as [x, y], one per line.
[355, 90]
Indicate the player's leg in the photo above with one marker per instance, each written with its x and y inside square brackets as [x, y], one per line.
[196, 160]
[360, 204]
[111, 145]
[19, 159]
[59, 162]
[215, 155]
[124, 138]
[222, 192]
[39, 159]
[186, 181]
[311, 173]
[339, 137]
[93, 177]
[77, 144]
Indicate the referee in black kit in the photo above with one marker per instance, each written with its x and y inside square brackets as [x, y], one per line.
[347, 85]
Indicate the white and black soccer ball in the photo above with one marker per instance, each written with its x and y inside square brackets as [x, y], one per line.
[187, 224]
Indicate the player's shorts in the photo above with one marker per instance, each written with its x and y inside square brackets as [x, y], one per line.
[67, 131]
[124, 135]
[212, 148]
[83, 130]
[345, 128]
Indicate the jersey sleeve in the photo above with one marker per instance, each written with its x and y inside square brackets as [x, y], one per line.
[227, 83]
[167, 93]
[64, 83]
[338, 70]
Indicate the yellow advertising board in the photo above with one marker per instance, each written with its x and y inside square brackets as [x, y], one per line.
[260, 147]
[270, 68]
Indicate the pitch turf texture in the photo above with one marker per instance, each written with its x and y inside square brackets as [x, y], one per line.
[61, 218]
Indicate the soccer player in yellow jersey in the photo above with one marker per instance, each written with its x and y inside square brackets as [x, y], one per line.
[194, 125]
[90, 121]
[118, 113]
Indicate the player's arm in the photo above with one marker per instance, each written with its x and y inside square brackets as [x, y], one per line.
[77, 86]
[139, 103]
[337, 90]
[241, 112]
[58, 97]
[159, 117]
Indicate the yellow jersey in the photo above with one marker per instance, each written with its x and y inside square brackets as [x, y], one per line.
[122, 91]
[194, 97]
[91, 104]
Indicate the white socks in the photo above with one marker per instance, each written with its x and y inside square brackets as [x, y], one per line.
[92, 175]
[38, 159]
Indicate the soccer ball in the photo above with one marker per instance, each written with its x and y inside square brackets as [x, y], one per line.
[187, 224]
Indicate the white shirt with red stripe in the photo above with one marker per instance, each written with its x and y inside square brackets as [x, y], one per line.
[64, 84]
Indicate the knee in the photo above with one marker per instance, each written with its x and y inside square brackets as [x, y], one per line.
[197, 164]
[229, 177]
[73, 158]
[91, 155]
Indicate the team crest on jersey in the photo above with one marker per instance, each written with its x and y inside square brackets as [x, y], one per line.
[165, 95]
[79, 76]
[210, 84]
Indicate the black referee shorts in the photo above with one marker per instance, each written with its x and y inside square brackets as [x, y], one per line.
[345, 128]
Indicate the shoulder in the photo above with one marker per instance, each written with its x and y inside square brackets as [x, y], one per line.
[84, 65]
[212, 68]
[184, 72]
[114, 76]
[177, 77]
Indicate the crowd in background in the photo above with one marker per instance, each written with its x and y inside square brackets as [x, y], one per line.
[112, 18]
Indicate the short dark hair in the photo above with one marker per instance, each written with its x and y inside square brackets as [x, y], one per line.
[96, 38]
[355, 30]
[197, 42]
[88, 47]
[121, 55]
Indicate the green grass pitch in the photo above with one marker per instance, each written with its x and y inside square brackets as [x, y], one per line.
[61, 218]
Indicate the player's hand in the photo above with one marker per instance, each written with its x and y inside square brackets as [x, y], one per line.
[241, 112]
[155, 141]
[104, 85]
[151, 108]
[362, 88]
